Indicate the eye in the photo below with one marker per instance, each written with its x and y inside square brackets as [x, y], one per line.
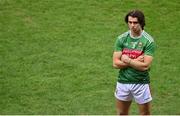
[134, 22]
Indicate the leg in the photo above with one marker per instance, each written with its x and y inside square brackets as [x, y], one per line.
[122, 107]
[123, 99]
[143, 97]
[144, 109]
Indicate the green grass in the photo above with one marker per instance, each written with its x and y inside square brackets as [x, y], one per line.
[56, 55]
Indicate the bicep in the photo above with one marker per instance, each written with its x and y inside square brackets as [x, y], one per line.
[148, 60]
[117, 55]
[116, 60]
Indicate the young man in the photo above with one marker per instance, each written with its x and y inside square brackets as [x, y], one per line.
[133, 55]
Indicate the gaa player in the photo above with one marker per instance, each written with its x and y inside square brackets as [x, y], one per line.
[133, 55]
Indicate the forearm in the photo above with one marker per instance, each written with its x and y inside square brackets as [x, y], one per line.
[141, 66]
[119, 64]
[138, 63]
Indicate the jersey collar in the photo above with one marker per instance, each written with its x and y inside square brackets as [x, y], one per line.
[136, 37]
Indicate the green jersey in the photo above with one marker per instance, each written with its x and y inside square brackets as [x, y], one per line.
[134, 47]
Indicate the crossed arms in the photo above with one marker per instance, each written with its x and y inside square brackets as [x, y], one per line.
[141, 63]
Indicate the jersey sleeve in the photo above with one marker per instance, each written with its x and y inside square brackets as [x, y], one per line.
[118, 46]
[150, 49]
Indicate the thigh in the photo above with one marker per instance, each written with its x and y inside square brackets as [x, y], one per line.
[144, 109]
[122, 107]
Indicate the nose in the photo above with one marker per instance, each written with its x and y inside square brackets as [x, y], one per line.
[132, 24]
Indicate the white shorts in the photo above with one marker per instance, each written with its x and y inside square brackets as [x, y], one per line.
[140, 92]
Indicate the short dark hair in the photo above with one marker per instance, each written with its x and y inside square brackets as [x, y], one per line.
[140, 16]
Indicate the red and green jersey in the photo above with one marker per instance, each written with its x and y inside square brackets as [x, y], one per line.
[134, 47]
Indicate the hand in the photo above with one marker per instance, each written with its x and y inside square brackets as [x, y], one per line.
[125, 58]
[140, 58]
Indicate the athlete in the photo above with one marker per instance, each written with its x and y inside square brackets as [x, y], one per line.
[133, 55]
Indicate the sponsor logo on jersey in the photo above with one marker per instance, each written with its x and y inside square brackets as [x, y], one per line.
[132, 53]
[133, 44]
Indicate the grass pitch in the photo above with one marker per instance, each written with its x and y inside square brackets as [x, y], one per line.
[56, 55]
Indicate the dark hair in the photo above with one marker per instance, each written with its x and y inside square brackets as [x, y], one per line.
[140, 16]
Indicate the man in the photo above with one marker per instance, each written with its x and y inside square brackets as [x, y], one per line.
[133, 55]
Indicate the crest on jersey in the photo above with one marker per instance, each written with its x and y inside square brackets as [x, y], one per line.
[140, 45]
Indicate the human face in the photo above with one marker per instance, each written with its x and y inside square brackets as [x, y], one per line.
[134, 25]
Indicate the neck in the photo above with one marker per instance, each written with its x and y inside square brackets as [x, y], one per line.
[136, 34]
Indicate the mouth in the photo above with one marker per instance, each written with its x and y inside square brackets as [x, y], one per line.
[134, 29]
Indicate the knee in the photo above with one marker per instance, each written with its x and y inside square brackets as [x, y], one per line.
[122, 112]
[145, 113]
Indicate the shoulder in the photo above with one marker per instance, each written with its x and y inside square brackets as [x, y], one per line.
[123, 36]
[148, 37]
